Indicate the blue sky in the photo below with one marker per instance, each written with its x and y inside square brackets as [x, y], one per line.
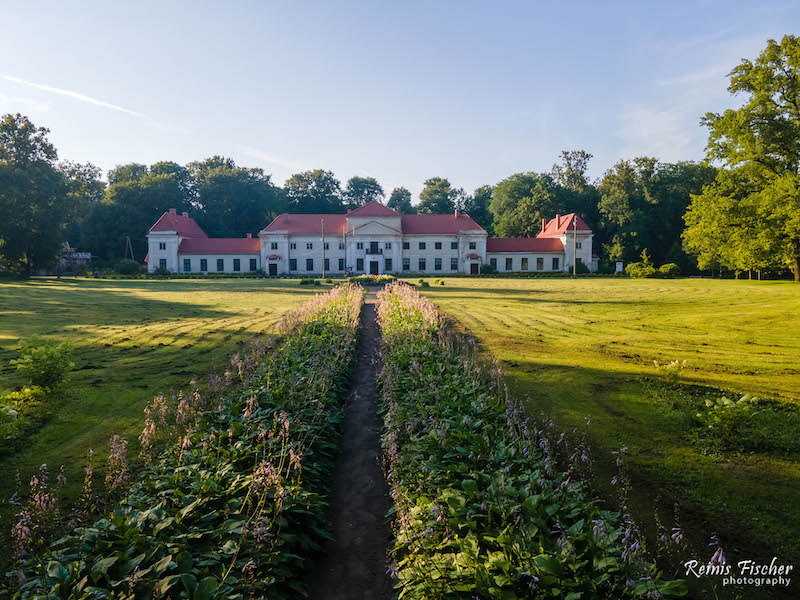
[401, 91]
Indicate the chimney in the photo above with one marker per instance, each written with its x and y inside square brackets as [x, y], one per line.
[558, 221]
[456, 213]
[185, 215]
[348, 211]
[249, 236]
[172, 211]
[544, 224]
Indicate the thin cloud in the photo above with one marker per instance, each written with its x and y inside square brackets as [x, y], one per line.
[21, 104]
[286, 164]
[70, 94]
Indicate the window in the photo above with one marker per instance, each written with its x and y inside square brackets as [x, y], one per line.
[422, 245]
[162, 245]
[341, 245]
[293, 264]
[406, 264]
[406, 245]
[309, 264]
[359, 245]
[540, 264]
[453, 245]
[555, 263]
[327, 246]
[454, 264]
[309, 246]
[162, 263]
[387, 264]
[327, 264]
[341, 264]
[493, 263]
[421, 264]
[252, 264]
[187, 265]
[204, 264]
[437, 245]
[292, 246]
[237, 264]
[437, 264]
[509, 264]
[359, 264]
[274, 246]
[387, 246]
[220, 265]
[577, 245]
[473, 245]
[524, 265]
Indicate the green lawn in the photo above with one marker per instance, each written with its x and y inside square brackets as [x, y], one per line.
[132, 339]
[587, 346]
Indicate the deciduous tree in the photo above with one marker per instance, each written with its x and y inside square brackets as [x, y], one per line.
[400, 200]
[360, 190]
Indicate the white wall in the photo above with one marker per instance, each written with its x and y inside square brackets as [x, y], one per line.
[155, 254]
[516, 261]
[244, 261]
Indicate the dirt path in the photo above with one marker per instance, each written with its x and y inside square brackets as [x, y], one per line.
[354, 565]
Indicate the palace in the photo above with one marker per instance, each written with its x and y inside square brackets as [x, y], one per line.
[371, 239]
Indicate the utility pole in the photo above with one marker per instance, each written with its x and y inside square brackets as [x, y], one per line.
[574, 246]
[322, 221]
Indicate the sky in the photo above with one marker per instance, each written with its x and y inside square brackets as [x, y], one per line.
[399, 91]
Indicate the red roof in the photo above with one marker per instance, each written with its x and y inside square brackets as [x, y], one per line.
[308, 224]
[182, 224]
[472, 256]
[524, 245]
[220, 246]
[273, 257]
[439, 224]
[556, 227]
[373, 209]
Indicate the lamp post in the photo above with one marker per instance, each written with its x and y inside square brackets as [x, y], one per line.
[322, 222]
[574, 246]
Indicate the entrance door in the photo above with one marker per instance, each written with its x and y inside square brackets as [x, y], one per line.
[373, 267]
[474, 268]
[273, 270]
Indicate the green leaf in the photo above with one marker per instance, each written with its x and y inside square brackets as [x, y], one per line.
[100, 568]
[549, 564]
[56, 570]
[205, 589]
[162, 565]
[189, 581]
[469, 485]
[167, 582]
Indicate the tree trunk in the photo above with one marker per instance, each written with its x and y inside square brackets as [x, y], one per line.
[796, 261]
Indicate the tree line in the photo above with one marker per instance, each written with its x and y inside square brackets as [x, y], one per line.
[737, 210]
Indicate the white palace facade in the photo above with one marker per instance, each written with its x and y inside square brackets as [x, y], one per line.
[372, 239]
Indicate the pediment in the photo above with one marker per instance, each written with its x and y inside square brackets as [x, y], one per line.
[375, 228]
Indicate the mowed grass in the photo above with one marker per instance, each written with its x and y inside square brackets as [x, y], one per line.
[132, 339]
[587, 346]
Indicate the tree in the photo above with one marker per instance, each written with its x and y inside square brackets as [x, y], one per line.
[520, 202]
[361, 190]
[314, 191]
[477, 207]
[34, 200]
[234, 201]
[129, 172]
[400, 200]
[760, 143]
[437, 197]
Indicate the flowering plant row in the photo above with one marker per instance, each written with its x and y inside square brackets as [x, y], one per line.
[234, 504]
[480, 510]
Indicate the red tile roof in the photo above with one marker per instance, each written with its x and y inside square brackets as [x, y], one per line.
[439, 224]
[220, 246]
[556, 227]
[308, 224]
[472, 256]
[373, 209]
[524, 245]
[182, 224]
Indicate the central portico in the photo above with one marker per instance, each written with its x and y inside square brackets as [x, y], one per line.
[373, 239]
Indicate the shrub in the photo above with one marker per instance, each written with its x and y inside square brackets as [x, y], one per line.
[160, 273]
[640, 270]
[669, 270]
[420, 280]
[45, 363]
[581, 268]
[26, 395]
[127, 267]
[308, 281]
[423, 283]
[487, 269]
[329, 280]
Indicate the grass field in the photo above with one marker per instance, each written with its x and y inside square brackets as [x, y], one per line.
[587, 346]
[132, 339]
